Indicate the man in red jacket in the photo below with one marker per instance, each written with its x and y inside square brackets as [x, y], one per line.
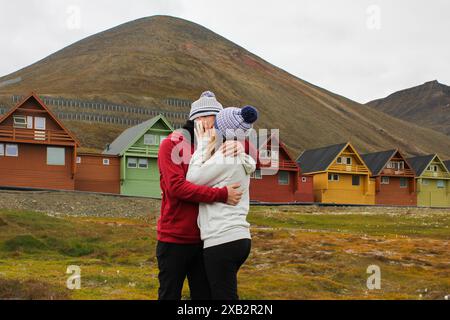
[180, 250]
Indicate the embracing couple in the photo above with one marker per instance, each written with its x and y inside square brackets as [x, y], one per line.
[203, 233]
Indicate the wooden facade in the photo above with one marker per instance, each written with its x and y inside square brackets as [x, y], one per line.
[433, 181]
[395, 182]
[339, 175]
[98, 173]
[36, 149]
[137, 147]
[278, 179]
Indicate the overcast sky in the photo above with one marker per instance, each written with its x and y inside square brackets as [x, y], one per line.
[357, 48]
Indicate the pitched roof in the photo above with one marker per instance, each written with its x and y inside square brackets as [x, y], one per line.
[420, 163]
[376, 161]
[447, 164]
[316, 160]
[50, 113]
[132, 134]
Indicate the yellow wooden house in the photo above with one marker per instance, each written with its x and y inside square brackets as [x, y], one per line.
[339, 175]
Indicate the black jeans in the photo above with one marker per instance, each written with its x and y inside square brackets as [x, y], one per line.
[222, 264]
[175, 263]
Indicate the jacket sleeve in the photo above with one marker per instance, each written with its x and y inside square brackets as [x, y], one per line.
[209, 172]
[176, 184]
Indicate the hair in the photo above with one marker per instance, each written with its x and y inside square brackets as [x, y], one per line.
[189, 128]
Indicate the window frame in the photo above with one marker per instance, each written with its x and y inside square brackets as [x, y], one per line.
[333, 176]
[2, 149]
[440, 186]
[286, 182]
[384, 178]
[20, 125]
[30, 122]
[155, 137]
[6, 150]
[36, 119]
[63, 156]
[128, 162]
[353, 181]
[139, 163]
[105, 162]
[405, 180]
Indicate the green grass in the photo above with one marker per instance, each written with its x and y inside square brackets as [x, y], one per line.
[372, 224]
[294, 256]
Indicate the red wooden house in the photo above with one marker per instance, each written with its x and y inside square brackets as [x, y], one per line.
[394, 178]
[279, 179]
[36, 149]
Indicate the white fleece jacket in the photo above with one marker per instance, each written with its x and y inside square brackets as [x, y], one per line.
[219, 222]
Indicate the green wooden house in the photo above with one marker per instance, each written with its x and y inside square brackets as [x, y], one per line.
[433, 181]
[138, 150]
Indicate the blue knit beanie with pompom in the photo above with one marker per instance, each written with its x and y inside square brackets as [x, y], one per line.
[230, 120]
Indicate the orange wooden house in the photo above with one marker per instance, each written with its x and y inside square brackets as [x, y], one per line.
[278, 179]
[395, 182]
[97, 173]
[36, 149]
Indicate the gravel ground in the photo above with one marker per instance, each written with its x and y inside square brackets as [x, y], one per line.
[103, 205]
[80, 204]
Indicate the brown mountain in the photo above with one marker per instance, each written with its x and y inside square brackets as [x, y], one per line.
[145, 61]
[427, 105]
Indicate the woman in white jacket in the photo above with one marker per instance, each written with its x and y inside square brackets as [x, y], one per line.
[224, 228]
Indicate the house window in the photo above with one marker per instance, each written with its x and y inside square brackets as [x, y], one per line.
[20, 122]
[2, 149]
[355, 180]
[256, 174]
[283, 177]
[403, 182]
[29, 122]
[150, 139]
[333, 177]
[344, 160]
[55, 156]
[425, 182]
[396, 165]
[132, 162]
[433, 168]
[143, 163]
[12, 150]
[106, 162]
[78, 159]
[440, 184]
[384, 180]
[39, 123]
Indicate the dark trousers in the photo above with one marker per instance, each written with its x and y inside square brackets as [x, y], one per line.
[175, 263]
[222, 264]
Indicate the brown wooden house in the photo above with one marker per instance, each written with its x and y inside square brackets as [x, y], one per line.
[36, 149]
[278, 179]
[394, 178]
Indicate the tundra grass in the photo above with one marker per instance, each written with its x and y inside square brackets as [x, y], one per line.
[294, 256]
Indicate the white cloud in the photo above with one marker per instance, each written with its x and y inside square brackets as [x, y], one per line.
[325, 42]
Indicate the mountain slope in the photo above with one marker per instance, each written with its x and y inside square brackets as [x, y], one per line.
[427, 105]
[147, 60]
